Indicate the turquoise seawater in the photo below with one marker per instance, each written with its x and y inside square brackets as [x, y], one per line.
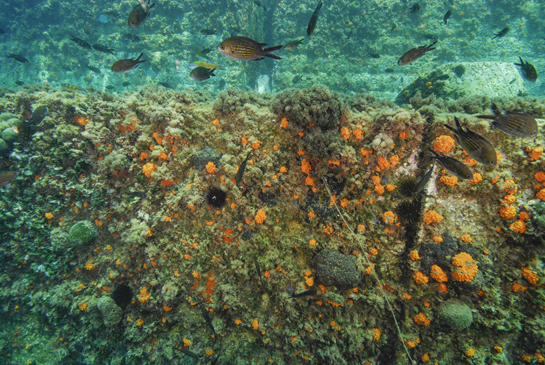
[316, 206]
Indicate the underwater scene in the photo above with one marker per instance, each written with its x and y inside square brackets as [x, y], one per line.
[272, 182]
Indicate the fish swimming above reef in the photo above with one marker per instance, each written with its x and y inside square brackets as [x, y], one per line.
[208, 65]
[208, 31]
[127, 65]
[94, 69]
[132, 37]
[476, 146]
[306, 293]
[246, 49]
[126, 83]
[103, 49]
[207, 318]
[452, 165]
[501, 33]
[201, 73]
[528, 70]
[415, 8]
[80, 42]
[140, 13]
[73, 88]
[164, 84]
[424, 181]
[514, 124]
[18, 58]
[414, 54]
[38, 115]
[6, 178]
[314, 19]
[241, 168]
[19, 82]
[190, 353]
[2, 31]
[203, 52]
[258, 269]
[293, 44]
[447, 16]
[296, 79]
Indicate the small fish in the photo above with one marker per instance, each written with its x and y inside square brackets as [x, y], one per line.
[207, 318]
[414, 54]
[127, 65]
[126, 83]
[394, 27]
[475, 145]
[514, 124]
[110, 87]
[447, 16]
[73, 88]
[296, 79]
[258, 269]
[241, 168]
[94, 69]
[80, 42]
[207, 65]
[6, 178]
[2, 31]
[322, 61]
[373, 55]
[306, 293]
[201, 73]
[103, 49]
[139, 13]
[203, 53]
[20, 83]
[528, 70]
[246, 49]
[38, 115]
[257, 2]
[389, 70]
[424, 181]
[501, 33]
[314, 19]
[165, 84]
[454, 166]
[208, 31]
[17, 58]
[190, 353]
[137, 194]
[293, 44]
[132, 37]
[103, 18]
[414, 8]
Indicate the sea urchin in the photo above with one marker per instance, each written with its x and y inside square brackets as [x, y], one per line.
[406, 186]
[216, 197]
[409, 211]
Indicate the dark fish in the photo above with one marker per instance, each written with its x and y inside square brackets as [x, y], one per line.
[414, 8]
[165, 84]
[6, 178]
[246, 49]
[38, 115]
[314, 19]
[17, 57]
[126, 83]
[112, 13]
[203, 53]
[501, 33]
[429, 36]
[132, 37]
[454, 166]
[373, 55]
[139, 14]
[443, 77]
[389, 70]
[394, 27]
[241, 168]
[514, 124]
[475, 145]
[257, 2]
[127, 65]
[190, 353]
[2, 31]
[207, 318]
[80, 42]
[20, 83]
[201, 73]
[137, 194]
[293, 44]
[208, 31]
[414, 54]
[528, 70]
[306, 293]
[447, 16]
[110, 87]
[259, 272]
[94, 69]
[296, 79]
[424, 181]
[103, 49]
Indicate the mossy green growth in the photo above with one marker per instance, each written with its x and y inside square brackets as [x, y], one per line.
[83, 232]
[60, 240]
[14, 122]
[111, 313]
[334, 268]
[10, 135]
[4, 147]
[456, 314]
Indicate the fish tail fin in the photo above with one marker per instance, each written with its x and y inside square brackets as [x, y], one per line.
[272, 49]
[431, 46]
[138, 59]
[433, 153]
[453, 129]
